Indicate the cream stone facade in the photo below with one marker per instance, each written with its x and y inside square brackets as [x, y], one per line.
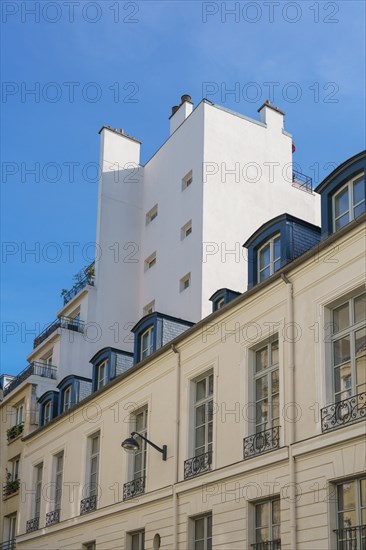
[305, 459]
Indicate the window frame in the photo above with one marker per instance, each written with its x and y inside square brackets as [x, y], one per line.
[271, 526]
[19, 414]
[182, 282]
[266, 373]
[58, 476]
[358, 509]
[152, 214]
[38, 482]
[350, 331]
[149, 308]
[207, 529]
[150, 261]
[149, 350]
[272, 260]
[67, 392]
[100, 382]
[93, 473]
[349, 185]
[140, 473]
[206, 401]
[140, 533]
[187, 180]
[187, 227]
[47, 408]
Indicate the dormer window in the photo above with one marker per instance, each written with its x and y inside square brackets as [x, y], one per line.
[102, 374]
[47, 412]
[220, 303]
[67, 399]
[269, 258]
[147, 342]
[348, 202]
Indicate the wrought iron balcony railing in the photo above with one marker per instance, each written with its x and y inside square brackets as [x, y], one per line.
[10, 488]
[87, 280]
[351, 538]
[197, 465]
[344, 412]
[302, 181]
[37, 368]
[262, 442]
[8, 544]
[32, 525]
[52, 517]
[134, 488]
[88, 504]
[62, 322]
[267, 545]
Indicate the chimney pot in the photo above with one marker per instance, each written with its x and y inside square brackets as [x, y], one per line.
[185, 97]
[175, 109]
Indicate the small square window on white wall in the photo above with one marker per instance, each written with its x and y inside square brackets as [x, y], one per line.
[185, 282]
[150, 261]
[151, 214]
[186, 230]
[149, 308]
[187, 180]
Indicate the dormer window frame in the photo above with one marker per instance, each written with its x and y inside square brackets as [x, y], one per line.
[67, 393]
[350, 212]
[272, 260]
[150, 345]
[47, 412]
[101, 381]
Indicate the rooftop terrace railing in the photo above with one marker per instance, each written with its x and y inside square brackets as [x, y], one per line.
[302, 181]
[37, 368]
[62, 322]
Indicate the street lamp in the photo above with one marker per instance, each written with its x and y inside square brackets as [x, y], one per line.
[130, 444]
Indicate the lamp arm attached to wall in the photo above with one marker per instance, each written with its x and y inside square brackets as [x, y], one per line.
[162, 450]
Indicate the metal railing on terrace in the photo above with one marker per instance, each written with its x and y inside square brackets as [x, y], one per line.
[351, 538]
[88, 279]
[37, 368]
[8, 544]
[342, 413]
[267, 545]
[62, 322]
[302, 181]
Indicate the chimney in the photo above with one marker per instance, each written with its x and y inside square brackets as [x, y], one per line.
[180, 112]
[271, 116]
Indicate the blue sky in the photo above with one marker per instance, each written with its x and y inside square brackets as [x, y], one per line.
[125, 64]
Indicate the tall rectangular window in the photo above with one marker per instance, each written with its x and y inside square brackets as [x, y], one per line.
[19, 414]
[102, 374]
[10, 531]
[185, 282]
[203, 532]
[267, 525]
[147, 342]
[267, 387]
[67, 399]
[38, 473]
[137, 540]
[59, 468]
[203, 414]
[349, 348]
[94, 442]
[139, 463]
[351, 515]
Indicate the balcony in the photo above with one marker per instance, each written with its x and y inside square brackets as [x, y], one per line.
[32, 525]
[134, 488]
[88, 504]
[37, 368]
[62, 322]
[267, 545]
[52, 517]
[8, 545]
[10, 488]
[88, 279]
[197, 465]
[13, 432]
[351, 538]
[301, 181]
[342, 413]
[262, 442]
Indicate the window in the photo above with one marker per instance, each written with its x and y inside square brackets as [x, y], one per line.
[38, 489]
[269, 258]
[349, 202]
[47, 412]
[14, 469]
[267, 387]
[59, 466]
[10, 531]
[94, 442]
[185, 282]
[186, 230]
[267, 524]
[19, 415]
[147, 343]
[203, 533]
[149, 308]
[89, 545]
[351, 515]
[152, 214]
[220, 303]
[48, 360]
[102, 375]
[203, 415]
[139, 462]
[137, 540]
[150, 261]
[349, 348]
[67, 399]
[187, 180]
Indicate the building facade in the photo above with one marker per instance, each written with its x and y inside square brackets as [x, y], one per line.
[245, 429]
